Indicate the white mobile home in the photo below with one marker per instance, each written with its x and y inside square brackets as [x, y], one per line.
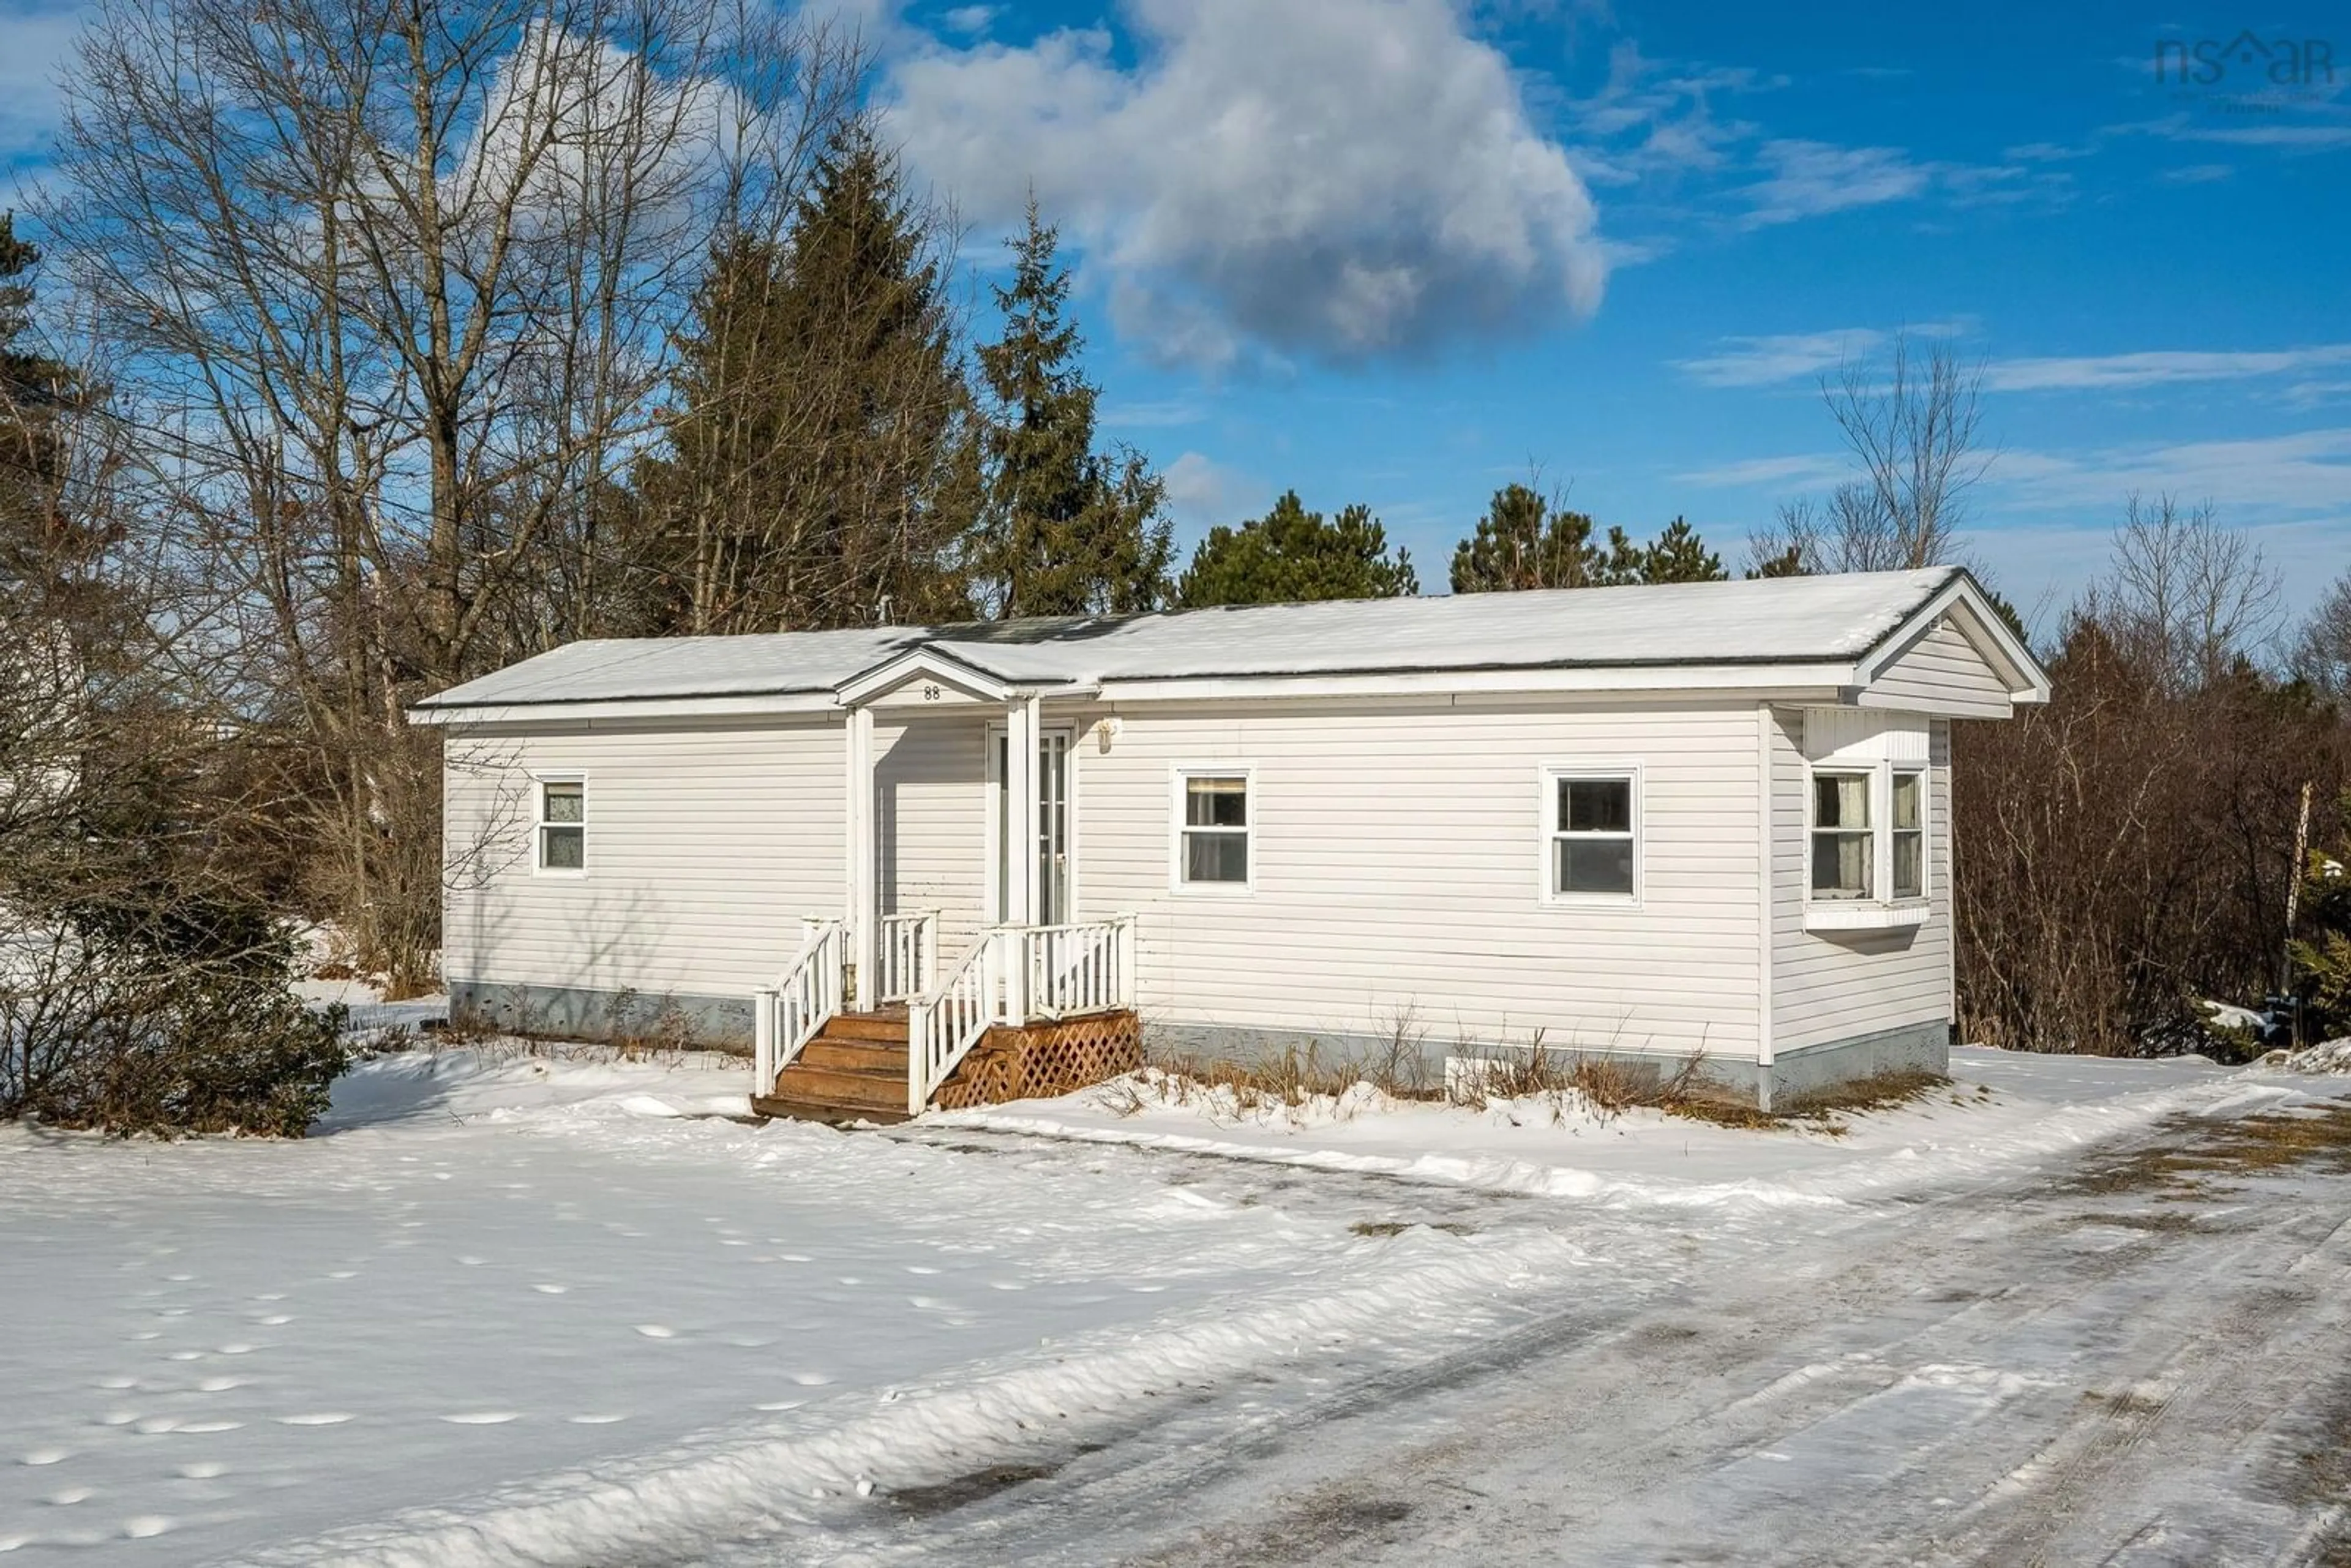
[1651, 821]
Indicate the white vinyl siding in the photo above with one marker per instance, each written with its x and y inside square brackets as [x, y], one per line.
[1829, 986]
[1394, 864]
[707, 845]
[1942, 674]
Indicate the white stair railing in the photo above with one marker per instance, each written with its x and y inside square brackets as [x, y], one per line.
[907, 956]
[786, 1015]
[946, 1022]
[1087, 967]
[1011, 974]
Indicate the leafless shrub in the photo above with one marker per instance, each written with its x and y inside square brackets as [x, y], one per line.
[2127, 850]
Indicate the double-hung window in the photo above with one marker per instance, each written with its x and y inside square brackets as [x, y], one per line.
[1908, 822]
[1213, 830]
[1592, 831]
[1845, 844]
[1868, 802]
[562, 827]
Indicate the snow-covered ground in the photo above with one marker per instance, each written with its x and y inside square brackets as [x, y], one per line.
[2001, 1108]
[508, 1308]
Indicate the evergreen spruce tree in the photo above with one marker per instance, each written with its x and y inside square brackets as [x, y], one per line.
[1788, 562]
[821, 468]
[1524, 542]
[1070, 531]
[1679, 555]
[48, 551]
[1291, 555]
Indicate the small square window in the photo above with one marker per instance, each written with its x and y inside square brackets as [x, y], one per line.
[1213, 847]
[1594, 844]
[562, 825]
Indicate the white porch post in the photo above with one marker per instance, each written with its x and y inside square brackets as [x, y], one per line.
[862, 871]
[1020, 788]
[1032, 822]
[1020, 854]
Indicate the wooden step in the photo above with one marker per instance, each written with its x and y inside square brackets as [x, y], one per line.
[817, 1111]
[888, 1027]
[855, 1056]
[833, 1086]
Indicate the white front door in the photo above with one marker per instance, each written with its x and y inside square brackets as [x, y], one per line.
[1055, 895]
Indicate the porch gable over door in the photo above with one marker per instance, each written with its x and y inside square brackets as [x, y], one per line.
[924, 678]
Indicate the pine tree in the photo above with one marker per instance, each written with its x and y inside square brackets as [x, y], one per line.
[1679, 555]
[47, 551]
[1070, 531]
[821, 468]
[1524, 542]
[1291, 555]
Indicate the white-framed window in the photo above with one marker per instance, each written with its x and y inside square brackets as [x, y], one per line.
[1215, 829]
[561, 827]
[1591, 834]
[1843, 840]
[1906, 826]
[1868, 788]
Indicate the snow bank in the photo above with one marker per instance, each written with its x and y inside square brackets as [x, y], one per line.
[2003, 1109]
[2327, 1056]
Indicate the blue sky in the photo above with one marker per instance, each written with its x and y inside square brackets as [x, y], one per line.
[1398, 251]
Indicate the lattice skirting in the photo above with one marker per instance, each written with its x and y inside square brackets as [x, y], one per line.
[1031, 1062]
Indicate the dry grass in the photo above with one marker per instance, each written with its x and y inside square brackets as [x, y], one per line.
[2319, 1136]
[1819, 1110]
[1511, 1080]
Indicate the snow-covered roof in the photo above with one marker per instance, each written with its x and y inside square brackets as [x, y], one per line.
[1767, 621]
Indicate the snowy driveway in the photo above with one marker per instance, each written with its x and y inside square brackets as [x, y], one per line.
[2146, 1360]
[523, 1316]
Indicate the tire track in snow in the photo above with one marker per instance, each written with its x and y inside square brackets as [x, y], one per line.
[1636, 1453]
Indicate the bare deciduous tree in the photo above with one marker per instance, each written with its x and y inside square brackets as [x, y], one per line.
[2321, 652]
[396, 287]
[1912, 428]
[2185, 597]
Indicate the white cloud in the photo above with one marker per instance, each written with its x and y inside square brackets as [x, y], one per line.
[2197, 173]
[1811, 178]
[2110, 371]
[1784, 357]
[2046, 152]
[1150, 415]
[1201, 492]
[1342, 178]
[1657, 118]
[2302, 135]
[1798, 471]
[2256, 477]
[1771, 359]
[33, 47]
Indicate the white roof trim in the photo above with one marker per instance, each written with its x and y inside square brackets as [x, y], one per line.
[782, 704]
[1780, 683]
[921, 663]
[2028, 682]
